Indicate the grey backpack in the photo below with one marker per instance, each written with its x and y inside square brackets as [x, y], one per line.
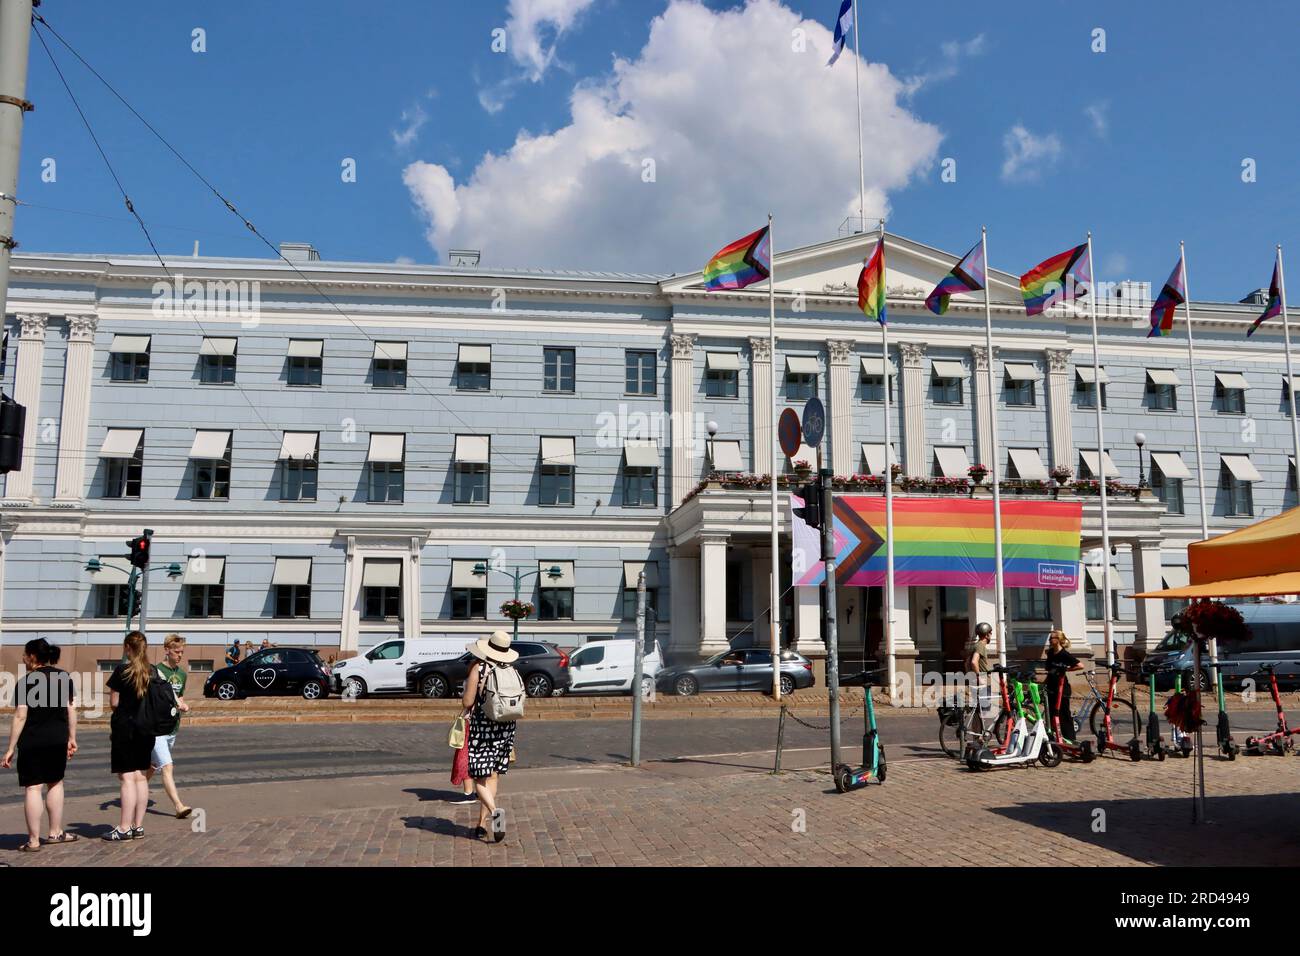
[503, 694]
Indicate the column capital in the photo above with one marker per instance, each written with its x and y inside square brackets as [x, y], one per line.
[841, 350]
[33, 325]
[913, 354]
[980, 356]
[1147, 544]
[760, 349]
[713, 537]
[81, 328]
[1058, 360]
[683, 345]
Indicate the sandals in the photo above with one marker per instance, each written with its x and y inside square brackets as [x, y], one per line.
[28, 848]
[184, 813]
[63, 837]
[498, 825]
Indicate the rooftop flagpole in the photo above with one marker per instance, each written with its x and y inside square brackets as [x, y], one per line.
[857, 86]
[999, 589]
[1290, 374]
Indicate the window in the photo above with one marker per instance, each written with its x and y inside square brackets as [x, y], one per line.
[555, 592]
[122, 476]
[1239, 497]
[1085, 394]
[1092, 597]
[293, 600]
[1091, 468]
[559, 370]
[639, 372]
[211, 454]
[474, 368]
[651, 603]
[203, 665]
[305, 362]
[1162, 390]
[640, 487]
[1031, 604]
[387, 482]
[297, 481]
[722, 375]
[388, 366]
[1168, 490]
[468, 604]
[382, 604]
[588, 656]
[112, 600]
[107, 666]
[800, 385]
[1230, 390]
[1020, 391]
[217, 369]
[557, 473]
[130, 366]
[471, 483]
[945, 391]
[872, 380]
[205, 600]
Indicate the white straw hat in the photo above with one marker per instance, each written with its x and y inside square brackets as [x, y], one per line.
[494, 648]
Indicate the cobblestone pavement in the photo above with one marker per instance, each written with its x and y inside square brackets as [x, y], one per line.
[729, 811]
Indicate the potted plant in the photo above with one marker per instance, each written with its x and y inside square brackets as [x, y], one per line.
[978, 473]
[895, 470]
[802, 467]
[1062, 475]
[516, 609]
[910, 483]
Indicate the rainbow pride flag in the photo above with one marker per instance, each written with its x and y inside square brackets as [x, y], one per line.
[1170, 298]
[1062, 278]
[966, 276]
[739, 264]
[1274, 307]
[948, 542]
[871, 285]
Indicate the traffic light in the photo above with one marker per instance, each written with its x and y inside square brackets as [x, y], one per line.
[139, 554]
[13, 419]
[811, 512]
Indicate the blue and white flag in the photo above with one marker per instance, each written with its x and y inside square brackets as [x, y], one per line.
[843, 24]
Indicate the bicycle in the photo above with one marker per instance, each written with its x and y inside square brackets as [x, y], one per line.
[1098, 705]
[961, 725]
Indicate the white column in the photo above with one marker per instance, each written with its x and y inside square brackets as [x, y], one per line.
[904, 639]
[1070, 613]
[760, 405]
[984, 412]
[1059, 388]
[713, 593]
[412, 596]
[684, 585]
[70, 485]
[807, 619]
[913, 399]
[27, 392]
[842, 352]
[350, 614]
[1146, 577]
[983, 610]
[686, 466]
[760, 563]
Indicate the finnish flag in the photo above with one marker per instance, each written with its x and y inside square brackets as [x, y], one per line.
[843, 24]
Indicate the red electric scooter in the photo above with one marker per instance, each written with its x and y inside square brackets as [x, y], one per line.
[1074, 751]
[1279, 741]
[1106, 732]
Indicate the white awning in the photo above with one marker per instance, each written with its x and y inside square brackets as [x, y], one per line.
[210, 445]
[306, 348]
[953, 462]
[875, 456]
[633, 568]
[109, 573]
[1163, 376]
[1295, 382]
[386, 448]
[130, 344]
[292, 571]
[121, 443]
[1095, 574]
[212, 346]
[558, 451]
[200, 569]
[1171, 464]
[875, 367]
[722, 361]
[725, 456]
[947, 368]
[394, 351]
[463, 576]
[382, 573]
[1090, 461]
[1021, 372]
[1027, 463]
[565, 580]
[474, 355]
[1175, 577]
[473, 449]
[1241, 467]
[299, 446]
[641, 454]
[801, 365]
[1231, 380]
[1087, 373]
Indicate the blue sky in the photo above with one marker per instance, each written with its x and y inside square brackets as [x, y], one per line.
[1143, 143]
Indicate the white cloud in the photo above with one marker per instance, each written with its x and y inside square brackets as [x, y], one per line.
[953, 52]
[529, 25]
[736, 124]
[409, 126]
[1026, 154]
[1099, 115]
[404, 261]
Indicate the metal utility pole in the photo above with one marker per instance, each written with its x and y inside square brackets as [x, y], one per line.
[638, 668]
[829, 610]
[15, 36]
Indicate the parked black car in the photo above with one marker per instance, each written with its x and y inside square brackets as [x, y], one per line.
[274, 671]
[745, 669]
[542, 666]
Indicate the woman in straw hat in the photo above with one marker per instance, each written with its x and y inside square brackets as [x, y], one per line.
[490, 741]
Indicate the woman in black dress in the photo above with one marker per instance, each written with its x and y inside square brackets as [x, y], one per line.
[1059, 662]
[130, 750]
[490, 741]
[44, 734]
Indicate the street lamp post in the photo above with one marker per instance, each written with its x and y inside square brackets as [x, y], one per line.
[517, 576]
[1140, 439]
[134, 574]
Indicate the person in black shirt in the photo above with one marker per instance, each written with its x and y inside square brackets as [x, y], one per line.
[44, 734]
[1059, 661]
[131, 750]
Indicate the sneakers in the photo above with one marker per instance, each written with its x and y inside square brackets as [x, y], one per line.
[117, 836]
[137, 833]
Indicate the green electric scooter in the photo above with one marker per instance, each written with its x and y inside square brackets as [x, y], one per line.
[1222, 731]
[873, 753]
[1155, 743]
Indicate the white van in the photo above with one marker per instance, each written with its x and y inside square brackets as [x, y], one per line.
[607, 667]
[382, 669]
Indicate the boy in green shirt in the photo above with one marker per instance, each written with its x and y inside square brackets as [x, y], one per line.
[173, 670]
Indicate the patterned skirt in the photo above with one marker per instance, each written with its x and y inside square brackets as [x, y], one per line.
[490, 744]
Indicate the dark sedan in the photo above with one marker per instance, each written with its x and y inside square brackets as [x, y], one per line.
[274, 671]
[747, 669]
[543, 667]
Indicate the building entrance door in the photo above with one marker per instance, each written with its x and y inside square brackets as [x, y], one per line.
[954, 628]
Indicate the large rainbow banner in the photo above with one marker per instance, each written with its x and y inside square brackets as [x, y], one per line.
[945, 542]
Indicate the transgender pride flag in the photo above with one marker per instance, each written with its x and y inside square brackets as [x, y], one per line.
[1171, 297]
[966, 276]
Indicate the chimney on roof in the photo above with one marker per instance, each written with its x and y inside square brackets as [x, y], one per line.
[299, 252]
[1258, 297]
[462, 257]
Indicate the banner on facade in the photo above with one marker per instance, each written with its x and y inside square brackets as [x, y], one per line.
[944, 542]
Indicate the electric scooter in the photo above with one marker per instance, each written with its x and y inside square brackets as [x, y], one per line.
[1075, 751]
[1279, 741]
[1183, 744]
[1155, 743]
[1029, 741]
[1106, 735]
[873, 752]
[1222, 731]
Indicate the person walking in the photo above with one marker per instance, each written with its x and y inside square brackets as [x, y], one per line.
[1059, 662]
[44, 734]
[490, 741]
[232, 654]
[131, 750]
[173, 671]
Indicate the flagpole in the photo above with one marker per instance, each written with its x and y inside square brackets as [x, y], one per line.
[999, 612]
[862, 176]
[1196, 419]
[775, 577]
[1107, 637]
[1290, 381]
[892, 665]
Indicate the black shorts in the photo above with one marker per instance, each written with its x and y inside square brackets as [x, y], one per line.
[130, 751]
[42, 764]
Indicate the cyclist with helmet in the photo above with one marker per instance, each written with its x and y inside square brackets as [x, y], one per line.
[978, 661]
